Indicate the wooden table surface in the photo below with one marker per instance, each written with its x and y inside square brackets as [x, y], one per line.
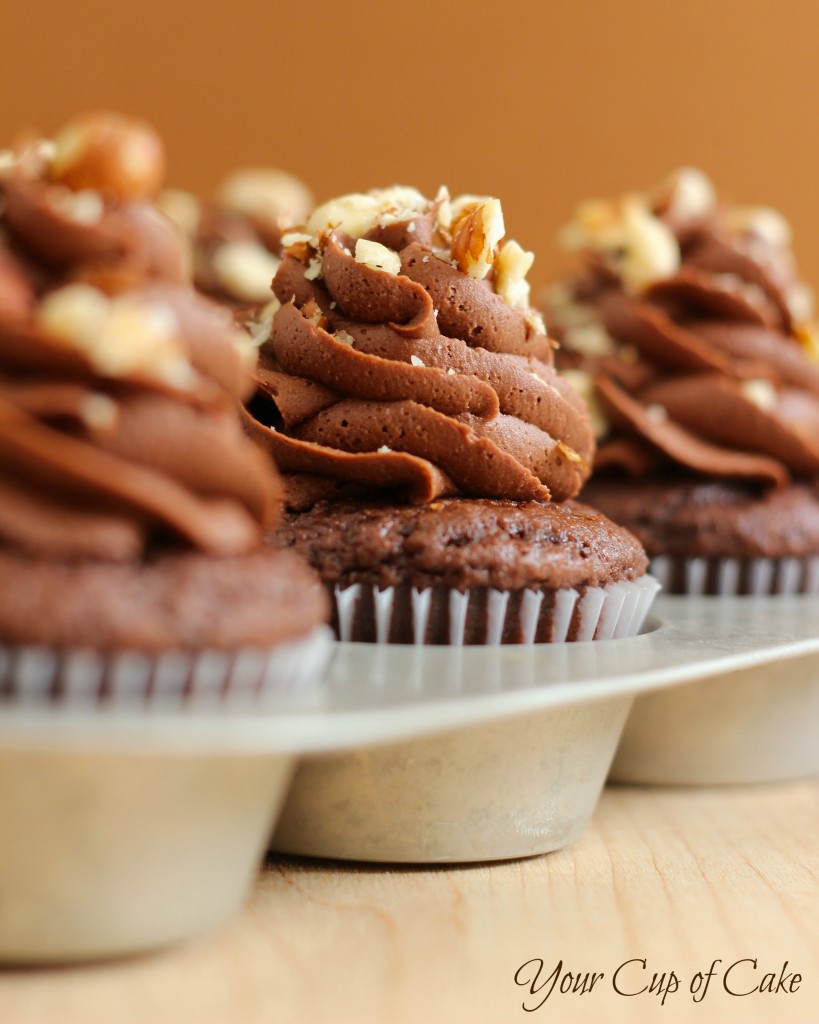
[679, 878]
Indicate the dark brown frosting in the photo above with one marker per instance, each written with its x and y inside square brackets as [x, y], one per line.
[689, 325]
[118, 384]
[404, 357]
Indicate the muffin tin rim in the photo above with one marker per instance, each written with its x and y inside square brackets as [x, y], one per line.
[688, 640]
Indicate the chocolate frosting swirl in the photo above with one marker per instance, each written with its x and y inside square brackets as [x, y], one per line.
[402, 355]
[118, 384]
[688, 327]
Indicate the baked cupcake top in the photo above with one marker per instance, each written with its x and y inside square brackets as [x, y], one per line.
[118, 384]
[687, 330]
[400, 356]
[461, 544]
[236, 237]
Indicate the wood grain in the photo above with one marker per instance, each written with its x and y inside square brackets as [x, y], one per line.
[679, 877]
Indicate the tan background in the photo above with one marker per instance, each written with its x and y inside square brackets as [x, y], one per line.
[541, 103]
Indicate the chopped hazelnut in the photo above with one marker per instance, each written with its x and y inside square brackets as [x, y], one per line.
[761, 393]
[245, 269]
[511, 267]
[359, 212]
[109, 153]
[637, 246]
[121, 336]
[687, 194]
[377, 256]
[761, 222]
[476, 232]
[268, 194]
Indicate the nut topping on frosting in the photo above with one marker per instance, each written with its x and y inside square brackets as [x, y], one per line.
[118, 384]
[761, 392]
[511, 267]
[358, 213]
[109, 153]
[267, 194]
[245, 269]
[476, 233]
[686, 194]
[237, 239]
[404, 357]
[633, 243]
[377, 256]
[725, 382]
[126, 335]
[81, 204]
[761, 222]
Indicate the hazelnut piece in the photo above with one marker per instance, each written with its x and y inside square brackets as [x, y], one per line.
[109, 153]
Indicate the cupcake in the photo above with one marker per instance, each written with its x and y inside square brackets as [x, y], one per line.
[132, 506]
[688, 331]
[429, 449]
[236, 238]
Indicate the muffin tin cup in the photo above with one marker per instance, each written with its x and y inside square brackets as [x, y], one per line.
[476, 753]
[731, 577]
[174, 677]
[754, 725]
[512, 788]
[489, 617]
[114, 852]
[116, 844]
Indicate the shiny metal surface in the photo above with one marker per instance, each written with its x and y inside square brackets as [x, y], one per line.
[105, 854]
[133, 825]
[511, 788]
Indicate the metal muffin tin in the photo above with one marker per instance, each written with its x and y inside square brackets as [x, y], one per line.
[754, 718]
[132, 826]
[503, 752]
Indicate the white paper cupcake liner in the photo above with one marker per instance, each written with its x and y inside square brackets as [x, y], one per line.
[737, 576]
[178, 677]
[490, 617]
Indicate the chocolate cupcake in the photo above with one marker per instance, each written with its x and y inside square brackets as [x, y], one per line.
[407, 392]
[688, 330]
[236, 237]
[132, 506]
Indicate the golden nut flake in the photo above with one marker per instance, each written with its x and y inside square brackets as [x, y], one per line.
[476, 235]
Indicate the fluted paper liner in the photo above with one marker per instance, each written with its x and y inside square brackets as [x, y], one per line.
[725, 577]
[489, 617]
[248, 674]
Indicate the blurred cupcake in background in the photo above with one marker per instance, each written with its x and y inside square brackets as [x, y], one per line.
[406, 389]
[236, 237]
[132, 506]
[689, 332]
